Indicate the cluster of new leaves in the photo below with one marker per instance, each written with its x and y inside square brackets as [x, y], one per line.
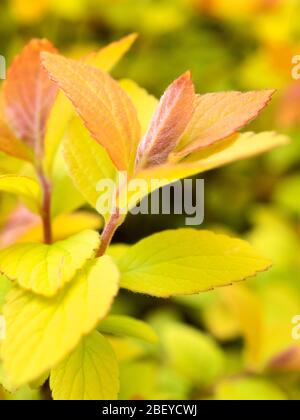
[57, 294]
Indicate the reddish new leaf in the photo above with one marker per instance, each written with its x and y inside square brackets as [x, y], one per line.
[173, 114]
[29, 94]
[218, 115]
[105, 108]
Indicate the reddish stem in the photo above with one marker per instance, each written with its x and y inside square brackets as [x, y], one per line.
[46, 207]
[108, 232]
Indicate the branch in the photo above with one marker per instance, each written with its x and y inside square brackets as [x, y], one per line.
[46, 207]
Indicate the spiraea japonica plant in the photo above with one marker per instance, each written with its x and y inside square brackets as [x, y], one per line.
[66, 125]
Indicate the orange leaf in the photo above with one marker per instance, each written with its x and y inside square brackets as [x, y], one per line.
[29, 94]
[173, 114]
[218, 115]
[105, 108]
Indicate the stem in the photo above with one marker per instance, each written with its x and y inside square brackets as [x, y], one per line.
[108, 232]
[46, 207]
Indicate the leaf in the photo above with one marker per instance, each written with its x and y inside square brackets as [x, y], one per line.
[41, 332]
[29, 94]
[5, 286]
[44, 269]
[253, 389]
[219, 115]
[285, 194]
[22, 186]
[62, 110]
[105, 108]
[63, 226]
[144, 103]
[192, 354]
[9, 144]
[65, 196]
[259, 315]
[91, 372]
[240, 146]
[247, 310]
[138, 380]
[87, 161]
[168, 124]
[116, 251]
[125, 325]
[187, 261]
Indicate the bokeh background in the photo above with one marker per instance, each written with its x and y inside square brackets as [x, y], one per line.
[236, 342]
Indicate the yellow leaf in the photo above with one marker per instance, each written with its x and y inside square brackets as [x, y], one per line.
[57, 123]
[41, 332]
[63, 226]
[29, 12]
[22, 186]
[87, 161]
[170, 120]
[5, 286]
[107, 57]
[65, 196]
[126, 326]
[144, 103]
[187, 261]
[116, 251]
[44, 269]
[90, 373]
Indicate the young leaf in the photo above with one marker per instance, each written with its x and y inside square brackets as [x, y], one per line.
[240, 146]
[87, 161]
[105, 108]
[22, 186]
[187, 261]
[29, 94]
[91, 372]
[62, 110]
[41, 332]
[218, 115]
[44, 269]
[145, 104]
[171, 118]
[125, 325]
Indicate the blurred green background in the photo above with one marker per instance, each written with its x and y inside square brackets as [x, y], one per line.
[234, 343]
